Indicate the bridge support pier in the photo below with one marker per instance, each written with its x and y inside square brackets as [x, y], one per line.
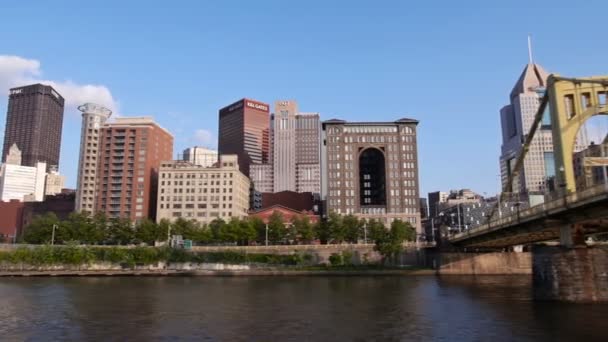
[571, 235]
[577, 274]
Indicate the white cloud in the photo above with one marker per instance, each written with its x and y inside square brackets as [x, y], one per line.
[17, 71]
[205, 138]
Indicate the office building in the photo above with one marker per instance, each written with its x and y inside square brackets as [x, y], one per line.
[131, 151]
[516, 121]
[590, 165]
[54, 182]
[244, 130]
[435, 199]
[370, 169]
[34, 121]
[424, 208]
[294, 153]
[202, 193]
[262, 177]
[22, 183]
[94, 118]
[284, 146]
[200, 156]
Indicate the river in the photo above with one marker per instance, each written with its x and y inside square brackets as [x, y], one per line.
[416, 308]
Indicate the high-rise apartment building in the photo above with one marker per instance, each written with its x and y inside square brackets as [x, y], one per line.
[93, 119]
[244, 130]
[202, 193]
[370, 169]
[294, 152]
[516, 121]
[200, 156]
[131, 151]
[34, 122]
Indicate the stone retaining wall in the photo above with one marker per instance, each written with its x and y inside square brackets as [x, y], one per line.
[481, 263]
[575, 274]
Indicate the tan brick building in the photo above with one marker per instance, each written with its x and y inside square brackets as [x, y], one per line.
[370, 169]
[202, 194]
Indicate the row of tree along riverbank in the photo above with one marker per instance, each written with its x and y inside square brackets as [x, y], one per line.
[99, 229]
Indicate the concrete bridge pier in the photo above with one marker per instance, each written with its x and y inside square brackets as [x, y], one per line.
[573, 272]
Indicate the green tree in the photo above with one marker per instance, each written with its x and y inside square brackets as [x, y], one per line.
[202, 235]
[260, 229]
[80, 227]
[164, 228]
[101, 228]
[40, 230]
[351, 226]
[336, 228]
[276, 228]
[185, 228]
[390, 243]
[148, 231]
[216, 227]
[230, 231]
[121, 231]
[322, 232]
[304, 229]
[247, 232]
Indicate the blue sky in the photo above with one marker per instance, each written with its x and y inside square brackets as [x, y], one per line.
[450, 65]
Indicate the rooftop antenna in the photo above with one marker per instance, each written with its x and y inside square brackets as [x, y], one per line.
[530, 49]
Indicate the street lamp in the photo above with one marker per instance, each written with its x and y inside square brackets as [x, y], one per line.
[53, 235]
[266, 234]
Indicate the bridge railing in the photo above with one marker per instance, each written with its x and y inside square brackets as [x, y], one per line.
[560, 202]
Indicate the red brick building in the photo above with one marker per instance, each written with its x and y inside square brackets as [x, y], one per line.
[287, 213]
[10, 220]
[131, 152]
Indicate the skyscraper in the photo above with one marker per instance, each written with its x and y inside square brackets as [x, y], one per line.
[93, 118]
[295, 140]
[34, 122]
[244, 131]
[516, 121]
[370, 169]
[308, 153]
[284, 145]
[127, 176]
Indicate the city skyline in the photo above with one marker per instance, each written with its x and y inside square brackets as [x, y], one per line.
[473, 89]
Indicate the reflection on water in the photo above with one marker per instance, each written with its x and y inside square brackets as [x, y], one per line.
[289, 308]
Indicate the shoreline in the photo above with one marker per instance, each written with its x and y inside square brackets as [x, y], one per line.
[214, 273]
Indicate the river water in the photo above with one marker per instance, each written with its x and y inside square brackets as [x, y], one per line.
[410, 308]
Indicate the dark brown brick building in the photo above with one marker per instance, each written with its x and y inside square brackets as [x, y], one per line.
[244, 130]
[34, 122]
[370, 169]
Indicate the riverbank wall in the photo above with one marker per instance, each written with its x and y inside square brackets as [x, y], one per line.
[500, 263]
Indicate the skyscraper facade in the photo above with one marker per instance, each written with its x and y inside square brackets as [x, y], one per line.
[93, 119]
[244, 130]
[308, 153]
[284, 145]
[295, 140]
[370, 169]
[34, 122]
[516, 121]
[131, 153]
